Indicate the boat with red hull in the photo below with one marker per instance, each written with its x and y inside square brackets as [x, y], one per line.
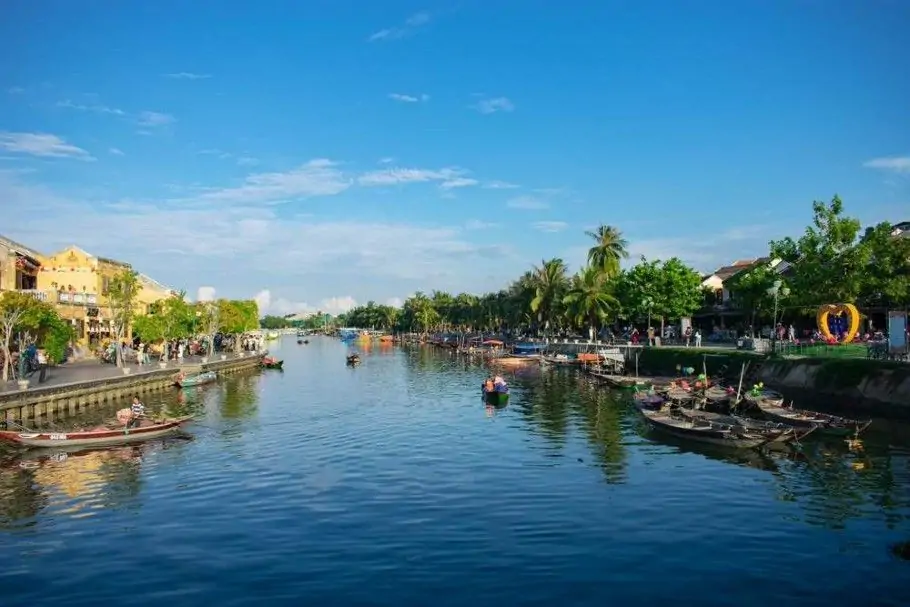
[98, 437]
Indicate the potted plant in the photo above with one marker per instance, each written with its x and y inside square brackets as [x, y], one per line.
[23, 384]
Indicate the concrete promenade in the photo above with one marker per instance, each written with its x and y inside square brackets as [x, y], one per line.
[94, 370]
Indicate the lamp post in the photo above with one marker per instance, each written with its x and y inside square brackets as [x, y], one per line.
[776, 291]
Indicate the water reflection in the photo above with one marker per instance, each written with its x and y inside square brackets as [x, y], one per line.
[239, 396]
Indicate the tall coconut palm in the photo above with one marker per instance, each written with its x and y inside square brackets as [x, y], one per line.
[609, 248]
[550, 284]
[589, 299]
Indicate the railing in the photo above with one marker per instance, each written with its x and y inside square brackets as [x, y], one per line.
[39, 295]
[77, 298]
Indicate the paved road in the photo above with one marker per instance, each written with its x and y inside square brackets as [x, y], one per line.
[90, 370]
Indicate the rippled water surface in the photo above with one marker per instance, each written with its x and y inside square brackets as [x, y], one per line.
[391, 484]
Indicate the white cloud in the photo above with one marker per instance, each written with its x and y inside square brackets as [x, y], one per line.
[155, 119]
[527, 203]
[247, 161]
[386, 160]
[99, 109]
[458, 182]
[395, 176]
[550, 226]
[15, 90]
[318, 177]
[116, 151]
[43, 145]
[205, 294]
[493, 105]
[475, 224]
[896, 164]
[239, 247]
[395, 302]
[500, 185]
[409, 98]
[411, 24]
[187, 76]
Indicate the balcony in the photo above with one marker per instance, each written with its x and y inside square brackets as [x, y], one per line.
[73, 298]
[36, 294]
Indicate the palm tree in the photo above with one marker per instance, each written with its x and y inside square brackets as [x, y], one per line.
[589, 299]
[609, 248]
[550, 284]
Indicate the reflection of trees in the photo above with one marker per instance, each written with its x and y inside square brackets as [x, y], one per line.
[20, 497]
[603, 418]
[834, 485]
[239, 398]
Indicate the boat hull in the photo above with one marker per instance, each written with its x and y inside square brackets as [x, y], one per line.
[822, 424]
[98, 438]
[196, 380]
[276, 365]
[706, 433]
[497, 399]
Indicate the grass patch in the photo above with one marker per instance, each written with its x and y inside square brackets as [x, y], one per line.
[823, 350]
[664, 361]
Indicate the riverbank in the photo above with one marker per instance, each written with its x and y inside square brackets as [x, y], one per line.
[70, 390]
[850, 384]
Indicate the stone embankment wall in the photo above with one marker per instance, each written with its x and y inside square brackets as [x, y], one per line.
[849, 384]
[65, 400]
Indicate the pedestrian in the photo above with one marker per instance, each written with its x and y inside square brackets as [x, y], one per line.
[698, 338]
[42, 365]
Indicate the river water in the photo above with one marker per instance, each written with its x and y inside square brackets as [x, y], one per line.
[391, 484]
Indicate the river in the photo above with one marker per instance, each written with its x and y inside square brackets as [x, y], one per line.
[391, 484]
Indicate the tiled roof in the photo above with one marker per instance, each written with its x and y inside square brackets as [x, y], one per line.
[12, 244]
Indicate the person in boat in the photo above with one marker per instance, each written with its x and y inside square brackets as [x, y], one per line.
[499, 384]
[488, 385]
[137, 413]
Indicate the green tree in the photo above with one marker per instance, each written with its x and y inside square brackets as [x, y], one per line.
[828, 266]
[236, 317]
[123, 294]
[749, 291]
[886, 280]
[550, 282]
[589, 299]
[609, 250]
[670, 290]
[419, 313]
[22, 314]
[273, 322]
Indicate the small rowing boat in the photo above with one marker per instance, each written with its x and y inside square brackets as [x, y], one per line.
[195, 379]
[495, 391]
[826, 424]
[352, 360]
[96, 437]
[271, 363]
[704, 430]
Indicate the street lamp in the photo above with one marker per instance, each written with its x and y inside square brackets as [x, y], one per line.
[775, 291]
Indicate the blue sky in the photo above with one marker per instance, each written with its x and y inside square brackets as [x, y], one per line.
[321, 153]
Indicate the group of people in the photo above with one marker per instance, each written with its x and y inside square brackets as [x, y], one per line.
[495, 384]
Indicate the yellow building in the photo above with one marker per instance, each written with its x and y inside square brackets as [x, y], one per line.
[77, 282]
[19, 267]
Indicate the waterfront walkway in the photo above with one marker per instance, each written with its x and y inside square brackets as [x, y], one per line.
[93, 369]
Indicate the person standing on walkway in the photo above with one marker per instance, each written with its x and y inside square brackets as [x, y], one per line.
[41, 355]
[698, 338]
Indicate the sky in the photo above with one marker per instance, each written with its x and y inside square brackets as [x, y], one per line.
[322, 154]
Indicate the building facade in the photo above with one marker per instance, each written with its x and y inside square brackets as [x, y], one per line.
[19, 267]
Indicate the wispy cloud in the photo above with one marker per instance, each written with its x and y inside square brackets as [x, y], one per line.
[451, 177]
[411, 24]
[386, 160]
[493, 105]
[215, 152]
[895, 164]
[15, 90]
[318, 177]
[500, 185]
[527, 203]
[409, 98]
[247, 161]
[43, 145]
[155, 119]
[549, 226]
[98, 109]
[187, 76]
[115, 152]
[476, 224]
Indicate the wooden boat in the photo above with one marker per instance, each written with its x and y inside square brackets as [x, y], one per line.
[718, 395]
[195, 379]
[560, 360]
[706, 431]
[754, 397]
[747, 423]
[619, 382]
[306, 341]
[650, 400]
[826, 424]
[496, 398]
[352, 360]
[97, 437]
[299, 342]
[271, 363]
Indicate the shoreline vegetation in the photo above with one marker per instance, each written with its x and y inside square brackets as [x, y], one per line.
[834, 261]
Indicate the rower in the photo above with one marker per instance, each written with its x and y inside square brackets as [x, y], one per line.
[137, 412]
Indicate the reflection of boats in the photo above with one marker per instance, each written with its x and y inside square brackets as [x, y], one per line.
[827, 424]
[98, 437]
[268, 362]
[352, 359]
[195, 379]
[707, 431]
